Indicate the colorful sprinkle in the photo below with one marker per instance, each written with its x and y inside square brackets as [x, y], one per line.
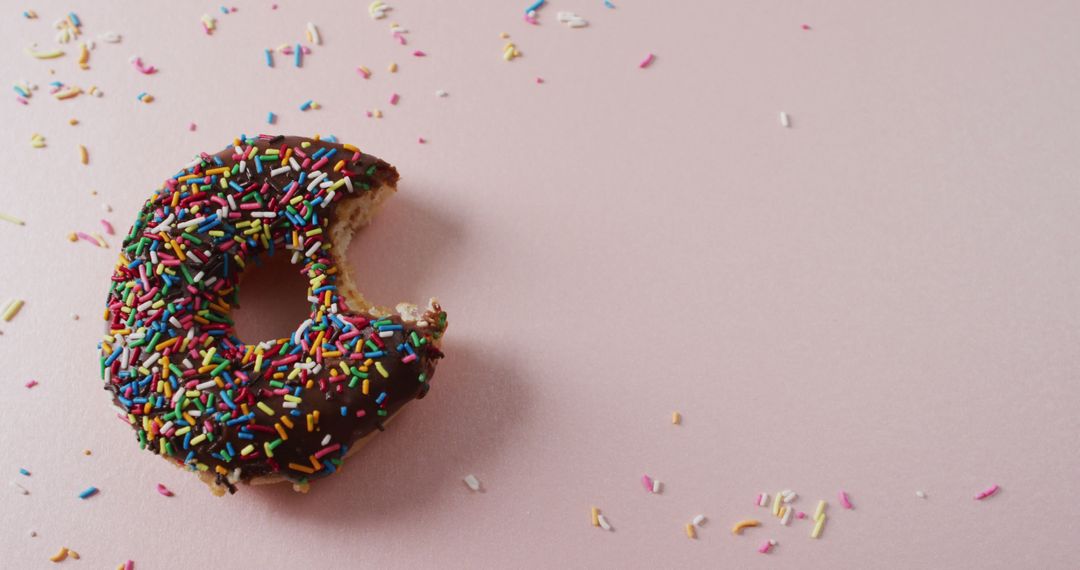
[61, 555]
[141, 67]
[271, 118]
[88, 492]
[11, 219]
[819, 525]
[647, 61]
[394, 99]
[845, 501]
[24, 472]
[745, 524]
[766, 546]
[269, 57]
[785, 120]
[84, 156]
[48, 54]
[699, 520]
[31, 383]
[13, 307]
[988, 492]
[676, 418]
[472, 482]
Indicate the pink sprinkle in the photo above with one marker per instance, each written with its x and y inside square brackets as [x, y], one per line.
[88, 237]
[191, 127]
[765, 547]
[647, 482]
[394, 99]
[129, 565]
[273, 6]
[360, 413]
[845, 501]
[364, 72]
[108, 227]
[989, 492]
[164, 491]
[31, 383]
[800, 515]
[806, 26]
[400, 38]
[145, 70]
[369, 114]
[757, 501]
[421, 140]
[419, 53]
[539, 79]
[647, 61]
[532, 20]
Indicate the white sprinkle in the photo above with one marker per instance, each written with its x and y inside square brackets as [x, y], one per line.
[763, 499]
[314, 32]
[785, 121]
[110, 37]
[441, 93]
[789, 496]
[472, 482]
[326, 439]
[106, 207]
[920, 494]
[603, 522]
[786, 519]
[279, 171]
[699, 520]
[656, 486]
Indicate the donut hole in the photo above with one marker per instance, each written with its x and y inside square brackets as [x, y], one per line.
[272, 300]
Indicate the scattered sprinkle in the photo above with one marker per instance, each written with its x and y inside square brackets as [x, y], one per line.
[988, 492]
[785, 121]
[48, 54]
[269, 57]
[298, 56]
[421, 140]
[699, 520]
[647, 61]
[13, 307]
[819, 524]
[572, 20]
[162, 489]
[61, 555]
[110, 37]
[192, 127]
[920, 494]
[73, 122]
[510, 51]
[24, 472]
[690, 531]
[84, 56]
[394, 98]
[22, 490]
[392, 68]
[646, 481]
[30, 15]
[472, 482]
[306, 105]
[37, 141]
[656, 486]
[766, 546]
[74, 316]
[377, 10]
[419, 53]
[145, 97]
[271, 118]
[31, 384]
[209, 24]
[806, 26]
[129, 565]
[539, 80]
[313, 34]
[820, 509]
[595, 516]
[762, 499]
[141, 67]
[88, 492]
[602, 520]
[364, 71]
[108, 227]
[676, 418]
[441, 93]
[744, 524]
[11, 219]
[845, 501]
[608, 4]
[86, 452]
[84, 157]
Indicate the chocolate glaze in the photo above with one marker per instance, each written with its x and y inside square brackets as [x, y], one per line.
[149, 392]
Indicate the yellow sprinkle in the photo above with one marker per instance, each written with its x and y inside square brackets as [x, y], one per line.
[13, 219]
[84, 56]
[739, 526]
[198, 439]
[820, 509]
[595, 516]
[266, 409]
[382, 371]
[777, 502]
[281, 431]
[676, 418]
[392, 68]
[84, 157]
[690, 532]
[60, 556]
[285, 420]
[73, 554]
[247, 449]
[820, 524]
[504, 35]
[44, 54]
[365, 386]
[12, 309]
[73, 122]
[310, 423]
[37, 141]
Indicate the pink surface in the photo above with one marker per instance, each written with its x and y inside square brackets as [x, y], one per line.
[880, 299]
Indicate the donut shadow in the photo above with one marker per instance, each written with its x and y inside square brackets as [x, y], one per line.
[474, 410]
[401, 254]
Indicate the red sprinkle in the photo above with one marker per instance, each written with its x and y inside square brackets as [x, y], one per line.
[31, 383]
[164, 490]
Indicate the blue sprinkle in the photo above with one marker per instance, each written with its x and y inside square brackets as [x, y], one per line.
[24, 472]
[534, 6]
[271, 118]
[344, 410]
[381, 397]
[89, 492]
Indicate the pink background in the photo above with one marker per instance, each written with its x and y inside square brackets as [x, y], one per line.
[880, 299]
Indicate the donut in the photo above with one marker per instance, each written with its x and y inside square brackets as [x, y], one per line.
[280, 410]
